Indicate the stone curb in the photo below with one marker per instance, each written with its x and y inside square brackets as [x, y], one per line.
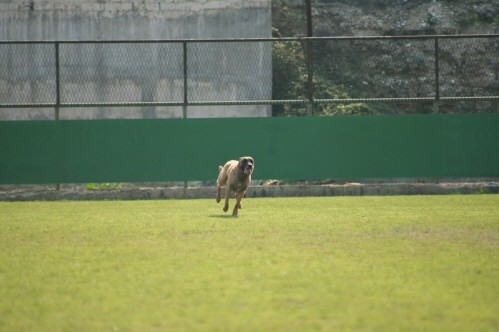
[351, 189]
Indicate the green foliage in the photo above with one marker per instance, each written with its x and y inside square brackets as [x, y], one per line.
[289, 74]
[482, 191]
[285, 264]
[467, 19]
[326, 89]
[431, 20]
[104, 186]
[290, 82]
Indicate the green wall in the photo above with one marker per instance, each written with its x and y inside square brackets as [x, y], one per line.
[283, 148]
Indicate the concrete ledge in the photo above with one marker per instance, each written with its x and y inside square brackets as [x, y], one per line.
[351, 189]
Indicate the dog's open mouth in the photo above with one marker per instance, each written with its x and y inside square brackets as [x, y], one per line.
[248, 170]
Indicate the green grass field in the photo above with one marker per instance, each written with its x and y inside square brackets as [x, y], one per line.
[404, 263]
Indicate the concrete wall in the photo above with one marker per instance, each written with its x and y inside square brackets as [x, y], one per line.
[138, 72]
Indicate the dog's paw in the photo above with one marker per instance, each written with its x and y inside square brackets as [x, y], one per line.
[226, 208]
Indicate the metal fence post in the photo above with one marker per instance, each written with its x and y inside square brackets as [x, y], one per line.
[185, 101]
[57, 82]
[437, 79]
[310, 63]
[310, 78]
[57, 91]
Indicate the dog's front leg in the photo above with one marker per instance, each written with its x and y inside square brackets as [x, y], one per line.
[227, 195]
[219, 193]
[239, 197]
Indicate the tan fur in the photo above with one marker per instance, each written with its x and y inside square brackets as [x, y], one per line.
[232, 176]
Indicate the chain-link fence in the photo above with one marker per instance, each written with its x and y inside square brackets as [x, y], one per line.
[372, 75]
[245, 77]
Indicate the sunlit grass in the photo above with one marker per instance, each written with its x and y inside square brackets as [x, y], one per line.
[423, 263]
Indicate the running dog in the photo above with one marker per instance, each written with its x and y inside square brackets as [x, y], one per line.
[235, 176]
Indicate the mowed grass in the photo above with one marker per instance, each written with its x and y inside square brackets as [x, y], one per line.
[405, 263]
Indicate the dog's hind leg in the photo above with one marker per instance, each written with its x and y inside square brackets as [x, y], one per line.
[227, 196]
[221, 181]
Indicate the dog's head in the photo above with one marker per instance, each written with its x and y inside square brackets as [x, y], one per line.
[247, 165]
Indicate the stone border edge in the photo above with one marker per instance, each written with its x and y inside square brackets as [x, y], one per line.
[352, 189]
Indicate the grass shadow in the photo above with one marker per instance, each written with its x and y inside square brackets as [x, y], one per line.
[222, 216]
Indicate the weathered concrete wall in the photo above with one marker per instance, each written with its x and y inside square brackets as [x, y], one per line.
[133, 19]
[92, 73]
